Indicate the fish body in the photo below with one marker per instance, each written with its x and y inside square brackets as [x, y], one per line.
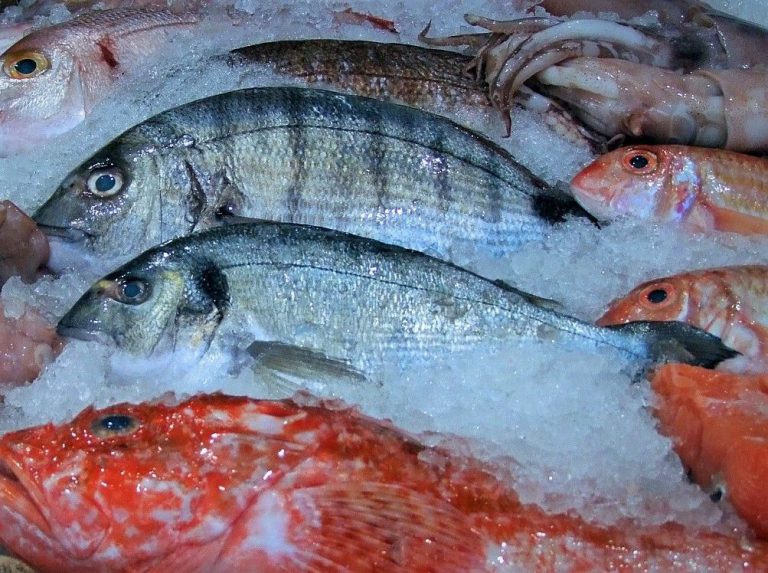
[53, 77]
[729, 302]
[347, 297]
[219, 483]
[376, 169]
[719, 424]
[432, 80]
[703, 189]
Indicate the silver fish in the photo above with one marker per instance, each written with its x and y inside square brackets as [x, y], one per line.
[372, 168]
[352, 300]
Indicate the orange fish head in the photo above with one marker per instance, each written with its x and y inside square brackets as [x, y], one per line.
[136, 483]
[657, 300]
[624, 182]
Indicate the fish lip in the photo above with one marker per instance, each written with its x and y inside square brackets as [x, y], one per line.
[67, 234]
[19, 493]
[85, 334]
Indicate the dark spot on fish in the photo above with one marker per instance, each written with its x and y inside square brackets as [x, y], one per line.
[555, 209]
[639, 161]
[214, 284]
[114, 425]
[717, 494]
[196, 201]
[26, 66]
[107, 54]
[657, 295]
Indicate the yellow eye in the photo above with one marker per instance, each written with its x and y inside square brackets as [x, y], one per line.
[25, 65]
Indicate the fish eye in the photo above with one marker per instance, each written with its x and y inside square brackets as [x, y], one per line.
[133, 291]
[105, 182]
[25, 65]
[657, 296]
[640, 161]
[114, 425]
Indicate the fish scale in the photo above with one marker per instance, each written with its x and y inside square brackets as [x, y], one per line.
[376, 169]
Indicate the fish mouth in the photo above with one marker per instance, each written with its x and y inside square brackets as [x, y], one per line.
[85, 334]
[68, 234]
[20, 495]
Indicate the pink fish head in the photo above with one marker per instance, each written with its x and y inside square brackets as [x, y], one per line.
[625, 182]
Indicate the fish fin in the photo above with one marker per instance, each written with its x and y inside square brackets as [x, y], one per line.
[362, 526]
[731, 221]
[672, 341]
[532, 298]
[292, 367]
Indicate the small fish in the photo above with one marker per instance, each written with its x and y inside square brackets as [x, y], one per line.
[702, 189]
[719, 424]
[729, 302]
[219, 483]
[377, 169]
[355, 301]
[52, 78]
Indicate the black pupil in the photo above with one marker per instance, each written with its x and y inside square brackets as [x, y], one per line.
[638, 161]
[26, 66]
[105, 183]
[657, 295]
[132, 290]
[116, 423]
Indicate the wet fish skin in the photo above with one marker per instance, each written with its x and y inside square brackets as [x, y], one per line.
[77, 62]
[350, 298]
[430, 79]
[296, 155]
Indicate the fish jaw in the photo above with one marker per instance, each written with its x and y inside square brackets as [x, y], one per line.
[30, 501]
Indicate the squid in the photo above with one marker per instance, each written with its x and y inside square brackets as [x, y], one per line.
[666, 71]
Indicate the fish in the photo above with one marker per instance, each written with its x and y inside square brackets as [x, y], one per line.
[28, 343]
[719, 427]
[352, 300]
[700, 189]
[381, 170]
[729, 302]
[220, 483]
[54, 76]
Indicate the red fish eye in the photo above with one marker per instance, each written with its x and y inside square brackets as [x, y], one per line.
[114, 425]
[640, 161]
[657, 296]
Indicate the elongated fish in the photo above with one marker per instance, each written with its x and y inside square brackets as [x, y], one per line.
[347, 298]
[219, 483]
[376, 169]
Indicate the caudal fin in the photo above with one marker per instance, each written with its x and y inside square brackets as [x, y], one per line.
[677, 342]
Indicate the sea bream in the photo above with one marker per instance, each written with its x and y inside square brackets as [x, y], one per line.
[377, 169]
[54, 76]
[338, 298]
[218, 483]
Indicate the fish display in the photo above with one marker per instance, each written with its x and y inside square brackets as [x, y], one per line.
[54, 76]
[350, 299]
[719, 425]
[220, 483]
[703, 189]
[729, 302]
[377, 169]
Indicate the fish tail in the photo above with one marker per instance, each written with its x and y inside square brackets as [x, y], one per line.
[674, 341]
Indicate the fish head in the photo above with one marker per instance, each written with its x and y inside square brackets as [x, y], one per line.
[662, 299]
[99, 205]
[150, 304]
[42, 91]
[625, 182]
[129, 484]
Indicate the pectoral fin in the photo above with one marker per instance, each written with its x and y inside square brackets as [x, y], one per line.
[293, 367]
[532, 298]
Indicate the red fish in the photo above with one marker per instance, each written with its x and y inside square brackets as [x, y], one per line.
[719, 423]
[729, 302]
[704, 189]
[219, 483]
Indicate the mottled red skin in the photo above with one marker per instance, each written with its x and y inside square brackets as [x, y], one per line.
[222, 483]
[719, 424]
[729, 302]
[24, 248]
[27, 344]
